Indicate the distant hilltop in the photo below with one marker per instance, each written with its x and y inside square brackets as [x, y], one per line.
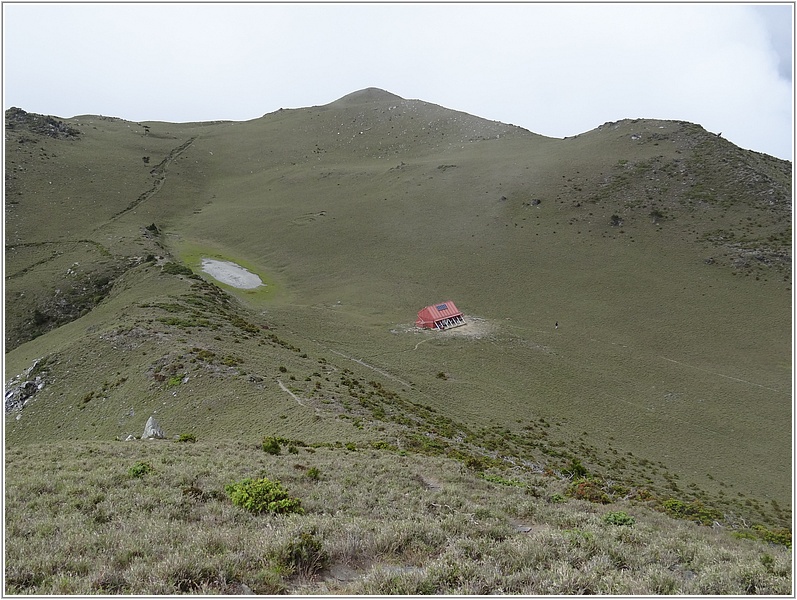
[369, 94]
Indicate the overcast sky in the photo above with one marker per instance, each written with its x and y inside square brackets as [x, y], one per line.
[555, 69]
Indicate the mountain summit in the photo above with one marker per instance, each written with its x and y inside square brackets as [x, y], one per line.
[365, 96]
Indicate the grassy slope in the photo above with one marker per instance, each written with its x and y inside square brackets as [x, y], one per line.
[374, 523]
[666, 371]
[377, 231]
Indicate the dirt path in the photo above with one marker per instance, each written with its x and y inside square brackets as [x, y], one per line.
[721, 375]
[294, 396]
[373, 368]
[160, 176]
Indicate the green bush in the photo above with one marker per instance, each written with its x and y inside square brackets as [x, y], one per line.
[231, 361]
[501, 480]
[576, 469]
[187, 437]
[382, 445]
[262, 495]
[475, 462]
[313, 473]
[618, 518]
[271, 445]
[692, 511]
[175, 269]
[774, 536]
[140, 469]
[302, 555]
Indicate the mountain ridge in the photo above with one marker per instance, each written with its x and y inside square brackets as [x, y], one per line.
[661, 249]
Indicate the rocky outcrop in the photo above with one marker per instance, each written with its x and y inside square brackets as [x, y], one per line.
[152, 430]
[24, 386]
[16, 119]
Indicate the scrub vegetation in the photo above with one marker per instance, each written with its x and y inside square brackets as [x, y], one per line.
[375, 522]
[640, 446]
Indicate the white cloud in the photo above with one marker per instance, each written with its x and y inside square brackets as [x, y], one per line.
[778, 21]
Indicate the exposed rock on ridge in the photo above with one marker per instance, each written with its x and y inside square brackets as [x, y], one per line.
[23, 387]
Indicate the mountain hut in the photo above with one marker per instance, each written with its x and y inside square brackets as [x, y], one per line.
[440, 316]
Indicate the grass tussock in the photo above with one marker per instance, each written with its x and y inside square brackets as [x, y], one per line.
[78, 521]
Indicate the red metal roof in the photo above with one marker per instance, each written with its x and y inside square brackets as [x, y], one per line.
[435, 312]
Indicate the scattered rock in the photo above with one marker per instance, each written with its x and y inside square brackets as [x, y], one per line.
[24, 386]
[342, 572]
[246, 590]
[152, 430]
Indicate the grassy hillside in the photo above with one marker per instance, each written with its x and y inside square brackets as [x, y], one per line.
[662, 250]
[154, 518]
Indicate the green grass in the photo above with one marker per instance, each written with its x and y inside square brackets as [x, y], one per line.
[375, 523]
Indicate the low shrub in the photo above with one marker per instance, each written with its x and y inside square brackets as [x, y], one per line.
[382, 445]
[774, 536]
[475, 462]
[691, 511]
[618, 518]
[231, 361]
[140, 469]
[303, 555]
[576, 469]
[175, 269]
[271, 445]
[262, 495]
[502, 480]
[187, 437]
[589, 490]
